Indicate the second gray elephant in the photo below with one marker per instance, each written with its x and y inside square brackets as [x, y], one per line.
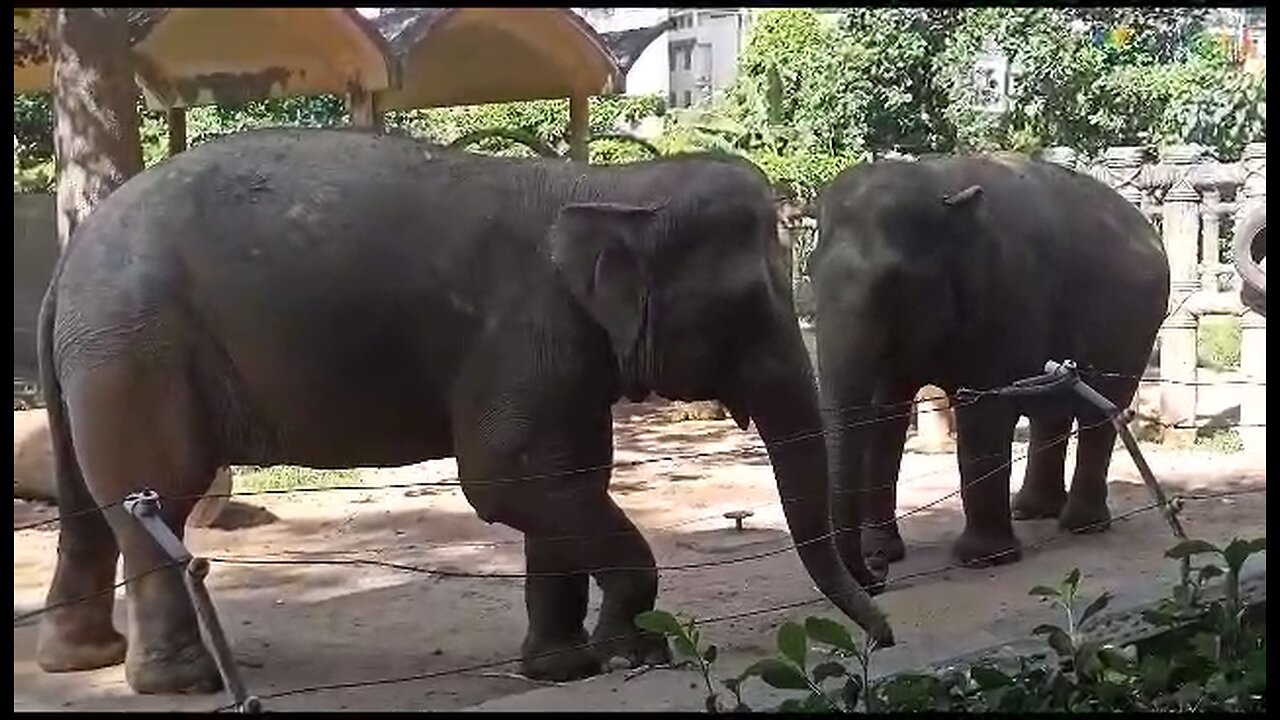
[971, 272]
[337, 299]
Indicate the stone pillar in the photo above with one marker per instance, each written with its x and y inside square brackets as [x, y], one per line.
[1253, 368]
[1210, 238]
[1123, 164]
[934, 421]
[362, 108]
[177, 130]
[1181, 227]
[1254, 161]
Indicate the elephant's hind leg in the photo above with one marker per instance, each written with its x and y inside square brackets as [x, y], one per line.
[77, 633]
[1086, 508]
[1044, 490]
[137, 427]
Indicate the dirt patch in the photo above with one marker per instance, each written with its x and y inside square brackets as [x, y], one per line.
[301, 625]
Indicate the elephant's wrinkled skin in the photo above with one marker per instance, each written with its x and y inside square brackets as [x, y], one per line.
[972, 272]
[336, 299]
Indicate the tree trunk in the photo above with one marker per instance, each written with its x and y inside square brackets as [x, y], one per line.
[95, 101]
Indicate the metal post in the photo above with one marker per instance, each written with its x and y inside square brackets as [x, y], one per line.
[177, 130]
[145, 507]
[579, 124]
[1120, 421]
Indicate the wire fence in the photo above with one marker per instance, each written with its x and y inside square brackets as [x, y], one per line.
[878, 413]
[817, 599]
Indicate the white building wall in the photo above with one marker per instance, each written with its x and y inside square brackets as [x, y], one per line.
[651, 74]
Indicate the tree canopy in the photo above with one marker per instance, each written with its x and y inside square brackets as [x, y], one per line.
[817, 91]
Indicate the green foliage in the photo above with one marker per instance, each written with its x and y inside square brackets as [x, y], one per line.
[813, 96]
[1218, 344]
[1206, 657]
[546, 120]
[289, 477]
[901, 79]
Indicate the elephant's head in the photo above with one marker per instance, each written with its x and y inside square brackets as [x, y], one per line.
[693, 294]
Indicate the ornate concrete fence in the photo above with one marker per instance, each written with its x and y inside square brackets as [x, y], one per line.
[1195, 202]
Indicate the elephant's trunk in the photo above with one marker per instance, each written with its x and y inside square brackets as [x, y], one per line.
[784, 405]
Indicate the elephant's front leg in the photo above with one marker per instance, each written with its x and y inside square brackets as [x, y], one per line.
[985, 430]
[543, 468]
[881, 538]
[598, 539]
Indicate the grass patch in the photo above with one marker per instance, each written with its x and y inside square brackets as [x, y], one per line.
[288, 477]
[1218, 342]
[1220, 440]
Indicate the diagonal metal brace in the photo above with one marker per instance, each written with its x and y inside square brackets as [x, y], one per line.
[1070, 376]
[145, 507]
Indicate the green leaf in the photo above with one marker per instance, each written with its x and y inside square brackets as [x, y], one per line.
[1206, 644]
[711, 653]
[1257, 545]
[1071, 582]
[1187, 548]
[793, 643]
[851, 691]
[828, 670]
[1236, 552]
[1044, 591]
[684, 647]
[791, 705]
[778, 674]
[659, 621]
[1057, 639]
[1085, 659]
[987, 677]
[1115, 658]
[830, 632]
[1095, 607]
[1208, 572]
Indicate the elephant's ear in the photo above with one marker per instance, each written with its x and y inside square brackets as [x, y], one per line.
[600, 251]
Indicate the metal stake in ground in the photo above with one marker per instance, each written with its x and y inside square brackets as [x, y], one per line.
[145, 507]
[1120, 419]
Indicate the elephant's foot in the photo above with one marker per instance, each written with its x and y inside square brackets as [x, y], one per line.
[559, 660]
[66, 645]
[872, 574]
[1081, 517]
[884, 542]
[977, 550]
[1029, 504]
[633, 647]
[187, 669]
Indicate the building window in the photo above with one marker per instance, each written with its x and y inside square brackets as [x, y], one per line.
[686, 57]
[688, 98]
[671, 99]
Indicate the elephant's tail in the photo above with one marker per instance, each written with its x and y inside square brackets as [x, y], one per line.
[70, 489]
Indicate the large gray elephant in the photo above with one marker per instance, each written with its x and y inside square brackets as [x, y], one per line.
[334, 298]
[972, 272]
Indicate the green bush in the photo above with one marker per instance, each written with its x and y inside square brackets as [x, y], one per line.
[1218, 343]
[1207, 657]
